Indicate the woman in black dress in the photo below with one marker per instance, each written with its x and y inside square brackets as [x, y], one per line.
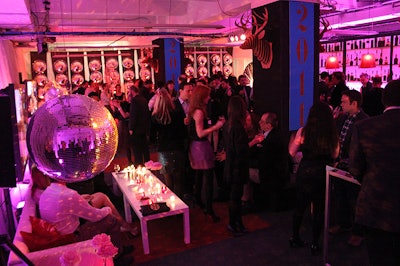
[319, 143]
[236, 170]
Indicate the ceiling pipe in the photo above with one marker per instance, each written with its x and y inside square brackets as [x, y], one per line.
[110, 33]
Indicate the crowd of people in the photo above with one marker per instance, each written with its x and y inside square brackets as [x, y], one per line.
[209, 138]
[353, 131]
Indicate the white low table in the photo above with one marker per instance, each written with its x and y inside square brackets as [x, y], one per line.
[130, 190]
[336, 173]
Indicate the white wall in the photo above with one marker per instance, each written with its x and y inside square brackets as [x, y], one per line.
[241, 58]
[8, 64]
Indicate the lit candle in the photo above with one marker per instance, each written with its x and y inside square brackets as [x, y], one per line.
[158, 188]
[172, 198]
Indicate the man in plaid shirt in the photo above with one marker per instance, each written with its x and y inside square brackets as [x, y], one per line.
[346, 193]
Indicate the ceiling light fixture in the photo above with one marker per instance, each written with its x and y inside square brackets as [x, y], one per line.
[367, 61]
[146, 26]
[332, 62]
[365, 21]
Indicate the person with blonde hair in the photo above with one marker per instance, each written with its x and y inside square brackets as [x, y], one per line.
[201, 154]
[172, 134]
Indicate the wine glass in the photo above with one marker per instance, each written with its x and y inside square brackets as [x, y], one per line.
[260, 137]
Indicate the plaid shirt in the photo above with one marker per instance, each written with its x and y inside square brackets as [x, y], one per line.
[347, 124]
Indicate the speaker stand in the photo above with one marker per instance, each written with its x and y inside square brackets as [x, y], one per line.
[10, 216]
[5, 241]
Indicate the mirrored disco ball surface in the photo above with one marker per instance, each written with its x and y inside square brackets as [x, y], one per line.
[72, 138]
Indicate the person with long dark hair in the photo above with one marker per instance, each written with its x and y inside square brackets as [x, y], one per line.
[236, 171]
[318, 141]
[201, 154]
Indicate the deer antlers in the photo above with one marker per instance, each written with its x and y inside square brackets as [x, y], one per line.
[264, 19]
[326, 25]
[253, 21]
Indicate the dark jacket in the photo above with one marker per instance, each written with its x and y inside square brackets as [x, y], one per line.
[273, 161]
[372, 102]
[172, 137]
[346, 144]
[237, 154]
[336, 95]
[375, 161]
[139, 116]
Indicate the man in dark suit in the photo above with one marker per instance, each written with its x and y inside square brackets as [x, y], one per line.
[182, 106]
[375, 162]
[346, 193]
[245, 91]
[273, 162]
[339, 82]
[366, 84]
[372, 104]
[322, 87]
[139, 126]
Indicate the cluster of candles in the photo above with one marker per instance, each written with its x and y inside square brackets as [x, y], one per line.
[145, 185]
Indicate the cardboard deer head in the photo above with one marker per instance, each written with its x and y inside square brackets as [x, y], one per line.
[262, 49]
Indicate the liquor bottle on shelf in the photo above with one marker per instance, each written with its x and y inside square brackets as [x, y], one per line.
[372, 43]
[356, 60]
[355, 45]
[396, 40]
[381, 42]
[387, 41]
[395, 60]
[351, 60]
[381, 60]
[386, 61]
[352, 76]
[352, 46]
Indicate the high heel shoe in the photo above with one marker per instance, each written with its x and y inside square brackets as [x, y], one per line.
[315, 249]
[296, 242]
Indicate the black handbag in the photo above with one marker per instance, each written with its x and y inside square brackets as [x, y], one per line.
[154, 208]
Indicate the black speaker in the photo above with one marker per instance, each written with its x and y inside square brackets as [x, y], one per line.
[7, 165]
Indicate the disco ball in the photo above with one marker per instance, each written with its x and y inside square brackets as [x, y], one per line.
[72, 138]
